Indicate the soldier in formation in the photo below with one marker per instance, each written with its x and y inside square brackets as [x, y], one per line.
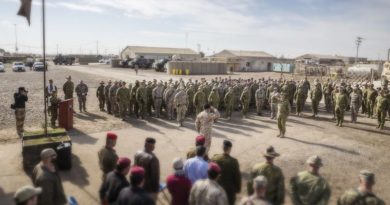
[181, 104]
[100, 94]
[283, 112]
[82, 92]
[68, 88]
[54, 101]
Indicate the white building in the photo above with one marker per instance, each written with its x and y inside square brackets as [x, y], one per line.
[159, 53]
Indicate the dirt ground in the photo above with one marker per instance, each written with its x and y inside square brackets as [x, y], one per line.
[345, 150]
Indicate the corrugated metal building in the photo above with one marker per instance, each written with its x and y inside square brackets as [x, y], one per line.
[241, 60]
[157, 53]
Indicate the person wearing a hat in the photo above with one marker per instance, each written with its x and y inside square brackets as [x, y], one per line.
[107, 97]
[328, 96]
[115, 181]
[196, 168]
[20, 109]
[208, 191]
[309, 187]
[135, 193]
[112, 94]
[82, 92]
[356, 100]
[228, 101]
[273, 101]
[363, 194]
[315, 96]
[382, 105]
[260, 95]
[68, 88]
[27, 195]
[100, 94]
[169, 96]
[157, 96]
[149, 161]
[142, 99]
[123, 100]
[341, 105]
[371, 96]
[149, 102]
[230, 177]
[200, 99]
[282, 114]
[275, 189]
[54, 104]
[199, 141]
[48, 179]
[107, 155]
[258, 197]
[364, 89]
[245, 98]
[134, 106]
[204, 123]
[179, 186]
[180, 101]
[50, 89]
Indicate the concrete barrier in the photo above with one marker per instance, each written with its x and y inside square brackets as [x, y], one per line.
[196, 68]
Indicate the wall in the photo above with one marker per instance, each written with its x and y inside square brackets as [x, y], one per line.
[196, 68]
[255, 64]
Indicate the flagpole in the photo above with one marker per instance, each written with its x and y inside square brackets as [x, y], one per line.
[44, 63]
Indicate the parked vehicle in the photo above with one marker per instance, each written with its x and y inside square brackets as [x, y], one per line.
[29, 63]
[38, 66]
[66, 60]
[141, 62]
[18, 67]
[159, 65]
[2, 67]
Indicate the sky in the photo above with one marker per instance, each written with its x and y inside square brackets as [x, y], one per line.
[288, 28]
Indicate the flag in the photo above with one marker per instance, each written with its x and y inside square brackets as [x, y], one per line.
[25, 9]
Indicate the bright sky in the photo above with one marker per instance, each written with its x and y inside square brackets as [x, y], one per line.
[279, 27]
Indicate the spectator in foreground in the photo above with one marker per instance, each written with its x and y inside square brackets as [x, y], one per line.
[196, 168]
[27, 195]
[199, 141]
[258, 197]
[178, 185]
[107, 154]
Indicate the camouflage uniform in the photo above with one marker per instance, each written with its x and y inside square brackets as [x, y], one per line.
[68, 89]
[309, 189]
[101, 96]
[199, 100]
[169, 95]
[181, 104]
[328, 97]
[356, 101]
[122, 98]
[107, 160]
[54, 101]
[382, 105]
[245, 100]
[356, 197]
[149, 103]
[228, 101]
[82, 91]
[283, 112]
[260, 95]
[157, 95]
[341, 105]
[191, 92]
[204, 123]
[107, 97]
[133, 99]
[273, 101]
[315, 96]
[299, 99]
[371, 96]
[142, 99]
[364, 99]
[214, 98]
[114, 104]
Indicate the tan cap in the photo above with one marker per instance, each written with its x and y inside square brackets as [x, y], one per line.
[270, 152]
[178, 164]
[25, 193]
[367, 175]
[260, 181]
[315, 160]
[46, 153]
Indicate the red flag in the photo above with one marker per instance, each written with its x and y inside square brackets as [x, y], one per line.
[25, 9]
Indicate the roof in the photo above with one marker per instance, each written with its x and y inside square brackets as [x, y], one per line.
[242, 53]
[145, 49]
[320, 56]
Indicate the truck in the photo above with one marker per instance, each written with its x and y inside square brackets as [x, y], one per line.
[63, 60]
[140, 62]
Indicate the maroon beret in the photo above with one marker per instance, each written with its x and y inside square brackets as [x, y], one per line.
[137, 171]
[200, 140]
[123, 162]
[215, 167]
[111, 135]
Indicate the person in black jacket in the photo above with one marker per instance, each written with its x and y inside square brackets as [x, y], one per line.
[115, 182]
[20, 109]
[135, 194]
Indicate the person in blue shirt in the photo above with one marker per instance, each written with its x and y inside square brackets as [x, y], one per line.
[196, 168]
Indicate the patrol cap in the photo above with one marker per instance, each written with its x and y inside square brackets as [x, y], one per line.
[270, 152]
[25, 193]
[178, 164]
[101, 82]
[314, 160]
[46, 153]
[260, 181]
[22, 89]
[200, 140]
[367, 176]
[111, 135]
[227, 143]
[214, 167]
[69, 77]
[137, 171]
[150, 140]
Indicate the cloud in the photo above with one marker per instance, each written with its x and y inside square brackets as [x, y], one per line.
[80, 7]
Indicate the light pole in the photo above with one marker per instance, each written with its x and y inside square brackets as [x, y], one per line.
[16, 40]
[358, 42]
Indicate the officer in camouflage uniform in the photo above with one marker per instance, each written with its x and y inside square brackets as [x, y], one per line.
[299, 99]
[348, 91]
[245, 100]
[82, 92]
[68, 88]
[283, 112]
[315, 96]
[199, 100]
[335, 92]
[230, 177]
[306, 88]
[107, 155]
[363, 195]
[275, 189]
[169, 96]
[371, 96]
[382, 105]
[309, 187]
[149, 103]
[142, 99]
[130, 105]
[107, 96]
[356, 102]
[133, 99]
[260, 95]
[101, 96]
[191, 92]
[364, 98]
[114, 104]
[54, 101]
[181, 104]
[228, 101]
[341, 105]
[214, 97]
[273, 101]
[204, 123]
[122, 98]
[328, 97]
[157, 95]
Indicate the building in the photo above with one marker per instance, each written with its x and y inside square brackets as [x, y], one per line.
[328, 59]
[157, 53]
[239, 60]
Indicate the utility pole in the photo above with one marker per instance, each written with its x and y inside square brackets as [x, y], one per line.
[16, 40]
[358, 42]
[97, 48]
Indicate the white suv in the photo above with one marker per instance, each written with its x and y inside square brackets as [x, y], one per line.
[18, 67]
[1, 67]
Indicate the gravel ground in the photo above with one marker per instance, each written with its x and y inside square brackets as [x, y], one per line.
[345, 150]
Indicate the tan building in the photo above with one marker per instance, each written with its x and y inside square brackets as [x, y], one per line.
[157, 53]
[240, 60]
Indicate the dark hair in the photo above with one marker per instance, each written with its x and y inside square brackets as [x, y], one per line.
[136, 180]
[21, 203]
[200, 151]
[206, 106]
[212, 174]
